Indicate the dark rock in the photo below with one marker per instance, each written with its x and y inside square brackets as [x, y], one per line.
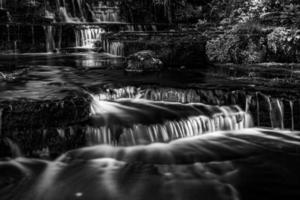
[143, 61]
[173, 49]
[9, 76]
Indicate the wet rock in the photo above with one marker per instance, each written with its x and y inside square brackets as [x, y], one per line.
[21, 114]
[143, 61]
[173, 49]
[12, 75]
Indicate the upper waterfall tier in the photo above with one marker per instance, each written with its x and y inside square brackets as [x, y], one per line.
[67, 11]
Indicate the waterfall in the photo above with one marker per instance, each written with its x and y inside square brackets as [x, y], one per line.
[2, 4]
[130, 28]
[114, 48]
[106, 13]
[32, 35]
[257, 109]
[154, 28]
[8, 33]
[108, 16]
[87, 36]
[123, 122]
[276, 112]
[269, 111]
[77, 13]
[292, 115]
[80, 5]
[64, 17]
[14, 149]
[50, 42]
[1, 113]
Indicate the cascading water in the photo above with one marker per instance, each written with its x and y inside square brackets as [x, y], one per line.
[2, 4]
[87, 36]
[105, 13]
[1, 113]
[292, 115]
[49, 36]
[64, 16]
[67, 16]
[114, 47]
[132, 122]
[258, 104]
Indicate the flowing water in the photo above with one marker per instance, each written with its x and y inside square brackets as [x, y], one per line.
[78, 126]
[168, 135]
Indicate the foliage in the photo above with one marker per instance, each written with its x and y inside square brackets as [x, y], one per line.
[241, 11]
[236, 47]
[283, 43]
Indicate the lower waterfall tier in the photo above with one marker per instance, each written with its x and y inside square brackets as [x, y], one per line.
[217, 166]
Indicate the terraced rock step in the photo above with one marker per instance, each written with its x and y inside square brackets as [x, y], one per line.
[39, 114]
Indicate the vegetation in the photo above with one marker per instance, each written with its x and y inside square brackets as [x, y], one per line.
[284, 43]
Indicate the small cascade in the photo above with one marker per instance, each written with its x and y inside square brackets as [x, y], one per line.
[130, 28]
[2, 4]
[71, 11]
[269, 111]
[1, 113]
[114, 47]
[193, 126]
[14, 149]
[132, 122]
[107, 16]
[49, 35]
[276, 112]
[154, 28]
[87, 36]
[64, 17]
[106, 13]
[32, 35]
[292, 115]
[257, 109]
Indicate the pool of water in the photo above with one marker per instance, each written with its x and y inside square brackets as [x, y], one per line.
[50, 76]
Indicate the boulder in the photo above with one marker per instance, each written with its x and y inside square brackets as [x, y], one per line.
[145, 60]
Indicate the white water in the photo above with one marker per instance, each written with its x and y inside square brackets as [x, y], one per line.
[49, 35]
[201, 167]
[64, 16]
[2, 4]
[114, 48]
[253, 102]
[1, 113]
[122, 121]
[87, 36]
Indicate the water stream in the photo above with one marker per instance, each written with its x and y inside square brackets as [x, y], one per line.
[75, 125]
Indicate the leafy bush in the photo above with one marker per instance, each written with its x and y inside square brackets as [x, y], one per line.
[283, 44]
[237, 47]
